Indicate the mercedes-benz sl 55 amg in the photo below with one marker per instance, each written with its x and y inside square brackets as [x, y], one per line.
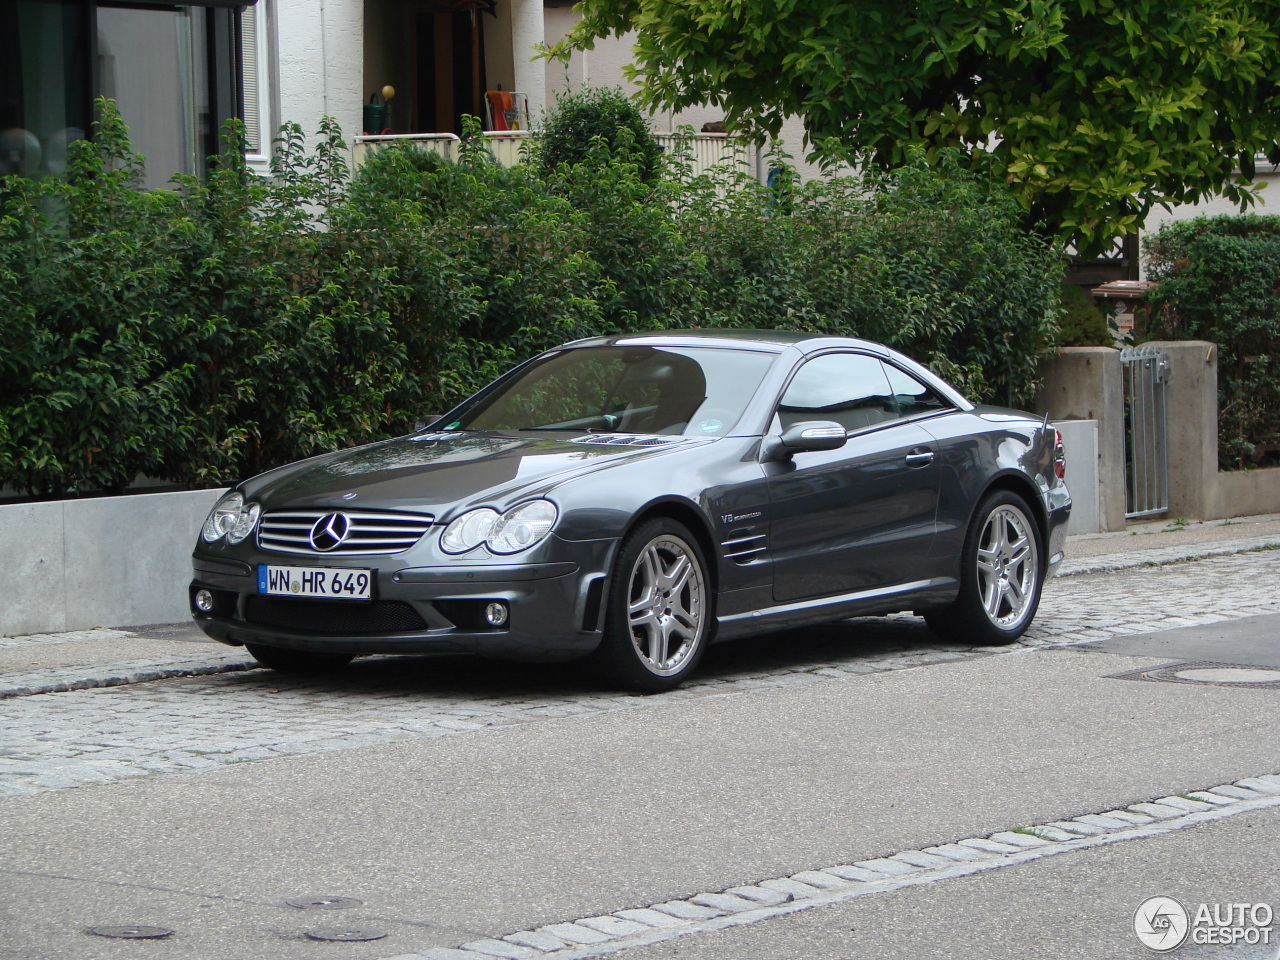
[632, 499]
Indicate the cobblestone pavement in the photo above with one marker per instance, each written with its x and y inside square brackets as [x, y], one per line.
[57, 740]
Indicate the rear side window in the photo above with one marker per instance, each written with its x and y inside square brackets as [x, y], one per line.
[849, 388]
[912, 396]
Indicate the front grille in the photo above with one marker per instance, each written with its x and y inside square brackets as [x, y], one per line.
[289, 531]
[334, 617]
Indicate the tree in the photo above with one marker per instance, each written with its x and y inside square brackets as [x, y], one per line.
[1092, 112]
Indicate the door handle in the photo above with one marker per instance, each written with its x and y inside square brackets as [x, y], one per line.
[920, 458]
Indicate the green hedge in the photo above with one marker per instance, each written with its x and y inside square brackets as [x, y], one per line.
[215, 330]
[1218, 279]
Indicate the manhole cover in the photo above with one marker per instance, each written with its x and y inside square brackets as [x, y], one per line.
[132, 932]
[1228, 675]
[324, 903]
[346, 934]
[1217, 674]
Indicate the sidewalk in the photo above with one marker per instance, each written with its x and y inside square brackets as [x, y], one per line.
[51, 662]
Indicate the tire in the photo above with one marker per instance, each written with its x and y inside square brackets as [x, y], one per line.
[1001, 575]
[660, 612]
[297, 661]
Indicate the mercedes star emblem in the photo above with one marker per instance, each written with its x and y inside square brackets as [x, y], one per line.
[329, 531]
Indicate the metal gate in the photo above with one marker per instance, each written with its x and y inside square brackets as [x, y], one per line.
[1146, 447]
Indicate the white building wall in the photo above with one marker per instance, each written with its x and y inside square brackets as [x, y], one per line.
[1268, 202]
[321, 62]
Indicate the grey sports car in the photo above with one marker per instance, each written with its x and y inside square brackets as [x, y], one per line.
[632, 499]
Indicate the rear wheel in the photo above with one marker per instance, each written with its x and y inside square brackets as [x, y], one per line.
[659, 615]
[297, 661]
[1001, 574]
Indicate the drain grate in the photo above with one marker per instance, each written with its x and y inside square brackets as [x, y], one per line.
[1213, 674]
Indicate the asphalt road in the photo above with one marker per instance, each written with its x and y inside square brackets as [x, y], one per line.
[460, 801]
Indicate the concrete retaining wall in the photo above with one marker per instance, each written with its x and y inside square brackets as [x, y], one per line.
[104, 562]
[1084, 463]
[1085, 383]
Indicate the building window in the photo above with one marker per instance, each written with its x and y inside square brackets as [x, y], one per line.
[44, 84]
[255, 60]
[173, 71]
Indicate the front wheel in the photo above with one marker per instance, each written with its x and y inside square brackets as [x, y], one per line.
[1001, 574]
[297, 661]
[660, 608]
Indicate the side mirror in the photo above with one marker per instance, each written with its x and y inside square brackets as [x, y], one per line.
[808, 436]
[425, 421]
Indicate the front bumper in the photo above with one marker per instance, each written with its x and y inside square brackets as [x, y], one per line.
[555, 607]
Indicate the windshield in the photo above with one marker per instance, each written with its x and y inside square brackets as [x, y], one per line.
[687, 391]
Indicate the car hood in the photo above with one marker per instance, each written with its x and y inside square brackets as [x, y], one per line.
[436, 470]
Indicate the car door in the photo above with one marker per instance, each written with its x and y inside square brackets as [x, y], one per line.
[861, 517]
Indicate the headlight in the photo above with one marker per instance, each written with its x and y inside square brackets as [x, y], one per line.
[469, 530]
[232, 518]
[523, 526]
[518, 529]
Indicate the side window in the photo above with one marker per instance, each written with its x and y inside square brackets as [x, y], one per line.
[849, 388]
[913, 397]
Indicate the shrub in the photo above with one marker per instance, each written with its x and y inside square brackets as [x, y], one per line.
[929, 262]
[89, 392]
[1218, 279]
[208, 332]
[578, 120]
[1082, 323]
[237, 323]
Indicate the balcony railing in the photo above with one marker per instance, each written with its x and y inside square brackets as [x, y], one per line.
[702, 150]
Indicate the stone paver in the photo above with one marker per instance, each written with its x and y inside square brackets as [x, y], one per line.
[990, 846]
[724, 901]
[497, 948]
[539, 941]
[650, 918]
[684, 910]
[761, 896]
[575, 933]
[614, 926]
[918, 858]
[1160, 810]
[793, 888]
[958, 853]
[857, 874]
[820, 879]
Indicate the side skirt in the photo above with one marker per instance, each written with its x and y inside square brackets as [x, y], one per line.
[919, 594]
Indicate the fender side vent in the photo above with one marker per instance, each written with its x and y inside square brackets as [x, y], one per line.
[743, 547]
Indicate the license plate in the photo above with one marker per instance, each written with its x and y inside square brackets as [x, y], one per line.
[328, 582]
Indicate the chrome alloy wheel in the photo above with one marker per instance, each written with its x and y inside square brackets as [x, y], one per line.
[666, 604]
[1008, 567]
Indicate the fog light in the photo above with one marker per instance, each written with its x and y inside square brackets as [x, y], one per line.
[204, 601]
[495, 614]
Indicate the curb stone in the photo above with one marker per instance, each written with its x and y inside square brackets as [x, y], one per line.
[31, 682]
